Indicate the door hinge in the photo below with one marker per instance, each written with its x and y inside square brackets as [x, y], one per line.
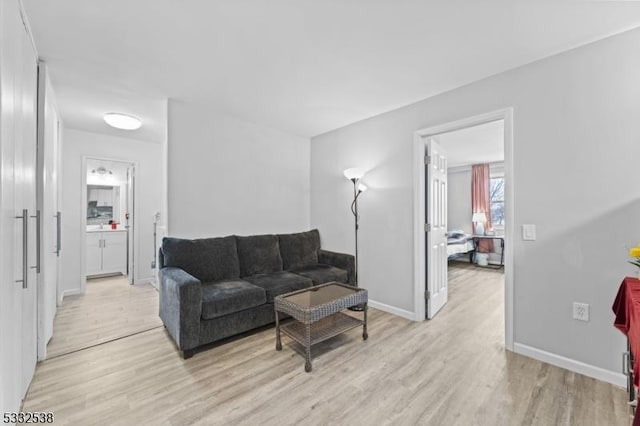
[427, 160]
[427, 295]
[427, 227]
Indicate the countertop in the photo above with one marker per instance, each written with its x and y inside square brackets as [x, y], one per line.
[106, 229]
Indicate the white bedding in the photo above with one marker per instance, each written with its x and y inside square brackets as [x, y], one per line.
[460, 247]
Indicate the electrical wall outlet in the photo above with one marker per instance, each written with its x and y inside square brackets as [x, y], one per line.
[581, 311]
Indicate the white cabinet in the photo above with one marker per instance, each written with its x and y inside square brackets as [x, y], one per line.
[102, 196]
[94, 253]
[114, 252]
[106, 252]
[105, 197]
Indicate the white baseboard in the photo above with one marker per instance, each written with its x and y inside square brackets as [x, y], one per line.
[392, 310]
[148, 280]
[72, 292]
[617, 379]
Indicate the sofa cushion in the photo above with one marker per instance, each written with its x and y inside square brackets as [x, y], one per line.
[321, 274]
[207, 259]
[258, 254]
[299, 250]
[278, 283]
[228, 296]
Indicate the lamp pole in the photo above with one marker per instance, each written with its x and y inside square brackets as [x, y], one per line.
[354, 175]
[357, 190]
[354, 210]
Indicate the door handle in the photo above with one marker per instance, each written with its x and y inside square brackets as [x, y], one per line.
[58, 217]
[25, 248]
[37, 218]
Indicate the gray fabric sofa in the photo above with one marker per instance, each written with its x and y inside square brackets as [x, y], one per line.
[213, 288]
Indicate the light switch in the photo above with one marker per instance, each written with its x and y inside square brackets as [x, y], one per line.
[529, 232]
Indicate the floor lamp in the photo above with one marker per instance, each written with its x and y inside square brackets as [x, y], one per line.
[355, 176]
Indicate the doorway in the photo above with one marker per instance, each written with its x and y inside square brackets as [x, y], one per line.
[430, 243]
[108, 201]
[109, 307]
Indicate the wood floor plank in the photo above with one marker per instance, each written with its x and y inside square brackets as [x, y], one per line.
[452, 370]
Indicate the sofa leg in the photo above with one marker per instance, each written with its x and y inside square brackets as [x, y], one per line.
[187, 354]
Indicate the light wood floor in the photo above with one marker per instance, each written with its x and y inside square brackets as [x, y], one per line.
[109, 309]
[452, 370]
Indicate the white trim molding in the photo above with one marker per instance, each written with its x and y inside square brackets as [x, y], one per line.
[419, 254]
[617, 379]
[392, 310]
[70, 292]
[146, 280]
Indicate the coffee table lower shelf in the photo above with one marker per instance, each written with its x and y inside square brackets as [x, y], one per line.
[321, 330]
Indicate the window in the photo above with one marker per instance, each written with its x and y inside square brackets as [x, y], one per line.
[496, 198]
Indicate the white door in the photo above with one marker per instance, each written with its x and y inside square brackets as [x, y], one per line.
[10, 254]
[436, 238]
[18, 83]
[129, 223]
[26, 199]
[48, 154]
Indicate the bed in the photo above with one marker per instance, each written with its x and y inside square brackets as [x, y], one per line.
[459, 243]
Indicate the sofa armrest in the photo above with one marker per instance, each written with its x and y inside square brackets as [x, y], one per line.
[181, 306]
[339, 260]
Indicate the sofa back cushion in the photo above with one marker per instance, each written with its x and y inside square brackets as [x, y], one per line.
[258, 254]
[299, 250]
[207, 259]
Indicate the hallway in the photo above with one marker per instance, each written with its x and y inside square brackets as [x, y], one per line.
[110, 309]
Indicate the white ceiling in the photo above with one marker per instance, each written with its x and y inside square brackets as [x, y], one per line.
[474, 145]
[302, 66]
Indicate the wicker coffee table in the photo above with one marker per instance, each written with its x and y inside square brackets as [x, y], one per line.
[317, 315]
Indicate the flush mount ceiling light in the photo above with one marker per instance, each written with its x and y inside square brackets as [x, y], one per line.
[122, 121]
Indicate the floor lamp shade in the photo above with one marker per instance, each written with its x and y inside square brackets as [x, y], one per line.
[353, 173]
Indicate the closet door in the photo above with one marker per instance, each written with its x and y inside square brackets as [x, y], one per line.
[47, 195]
[18, 82]
[26, 142]
[10, 291]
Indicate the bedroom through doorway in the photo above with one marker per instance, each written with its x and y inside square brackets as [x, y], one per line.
[475, 195]
[475, 210]
[463, 196]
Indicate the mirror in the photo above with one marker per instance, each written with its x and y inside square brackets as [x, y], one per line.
[103, 204]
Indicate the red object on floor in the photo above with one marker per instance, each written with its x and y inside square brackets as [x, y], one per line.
[626, 306]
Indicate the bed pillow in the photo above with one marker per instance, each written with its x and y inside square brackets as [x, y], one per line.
[456, 233]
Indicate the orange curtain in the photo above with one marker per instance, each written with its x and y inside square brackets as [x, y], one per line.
[480, 201]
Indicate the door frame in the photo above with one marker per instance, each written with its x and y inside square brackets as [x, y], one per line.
[132, 239]
[419, 249]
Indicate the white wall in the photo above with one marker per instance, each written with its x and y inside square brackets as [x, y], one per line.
[78, 144]
[228, 176]
[576, 133]
[459, 199]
